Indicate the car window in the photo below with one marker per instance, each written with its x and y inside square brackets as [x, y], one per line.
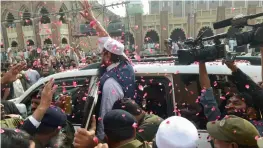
[156, 91]
[70, 95]
[187, 91]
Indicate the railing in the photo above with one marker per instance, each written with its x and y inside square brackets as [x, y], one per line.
[45, 29]
[27, 28]
[11, 30]
[28, 31]
[64, 29]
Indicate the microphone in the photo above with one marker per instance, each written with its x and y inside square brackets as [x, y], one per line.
[223, 23]
[235, 21]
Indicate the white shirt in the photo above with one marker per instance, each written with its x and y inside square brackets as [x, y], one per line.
[18, 88]
[232, 44]
[111, 92]
[34, 121]
[9, 49]
[175, 48]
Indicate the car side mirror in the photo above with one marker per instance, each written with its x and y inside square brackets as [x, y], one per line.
[22, 109]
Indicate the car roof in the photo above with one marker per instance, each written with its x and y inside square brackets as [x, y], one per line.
[160, 69]
[165, 68]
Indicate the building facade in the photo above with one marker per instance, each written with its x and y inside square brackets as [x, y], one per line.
[181, 8]
[38, 24]
[156, 27]
[135, 6]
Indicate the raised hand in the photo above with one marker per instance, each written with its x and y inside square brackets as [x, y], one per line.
[47, 94]
[231, 65]
[102, 146]
[87, 13]
[84, 138]
[46, 99]
[11, 75]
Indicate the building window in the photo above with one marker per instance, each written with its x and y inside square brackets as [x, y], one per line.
[10, 20]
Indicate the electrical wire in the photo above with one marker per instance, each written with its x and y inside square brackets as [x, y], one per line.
[64, 12]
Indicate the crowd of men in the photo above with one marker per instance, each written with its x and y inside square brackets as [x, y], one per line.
[119, 121]
[41, 63]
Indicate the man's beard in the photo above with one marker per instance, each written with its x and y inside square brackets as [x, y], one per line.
[57, 141]
[239, 114]
[101, 70]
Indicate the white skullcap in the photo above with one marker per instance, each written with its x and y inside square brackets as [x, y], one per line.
[176, 132]
[112, 45]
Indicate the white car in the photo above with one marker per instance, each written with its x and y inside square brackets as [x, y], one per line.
[177, 85]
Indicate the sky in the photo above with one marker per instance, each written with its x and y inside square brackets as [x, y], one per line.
[121, 10]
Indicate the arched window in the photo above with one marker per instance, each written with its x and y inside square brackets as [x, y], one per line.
[44, 16]
[30, 43]
[62, 17]
[47, 41]
[14, 44]
[178, 35]
[207, 32]
[10, 20]
[64, 41]
[26, 18]
[151, 37]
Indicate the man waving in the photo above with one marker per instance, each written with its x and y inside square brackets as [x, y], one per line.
[117, 78]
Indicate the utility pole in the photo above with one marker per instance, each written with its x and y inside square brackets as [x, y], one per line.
[74, 7]
[127, 33]
[103, 11]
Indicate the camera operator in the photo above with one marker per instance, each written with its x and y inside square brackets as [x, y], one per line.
[241, 105]
[168, 46]
[245, 84]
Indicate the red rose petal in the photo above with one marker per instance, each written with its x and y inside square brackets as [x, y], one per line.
[2, 131]
[96, 140]
[134, 125]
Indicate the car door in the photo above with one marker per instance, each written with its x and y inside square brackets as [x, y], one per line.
[186, 90]
[156, 91]
[74, 90]
[91, 102]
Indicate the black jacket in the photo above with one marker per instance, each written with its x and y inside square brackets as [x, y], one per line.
[245, 84]
[28, 127]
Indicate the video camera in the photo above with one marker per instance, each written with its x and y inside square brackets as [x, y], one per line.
[253, 37]
[196, 51]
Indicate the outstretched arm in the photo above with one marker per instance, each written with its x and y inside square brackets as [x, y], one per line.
[261, 52]
[88, 14]
[207, 98]
[245, 84]
[203, 77]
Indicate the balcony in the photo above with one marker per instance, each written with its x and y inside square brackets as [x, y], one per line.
[11, 32]
[28, 31]
[45, 29]
[64, 29]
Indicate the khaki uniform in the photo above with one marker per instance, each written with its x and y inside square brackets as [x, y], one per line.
[148, 127]
[10, 122]
[234, 129]
[135, 144]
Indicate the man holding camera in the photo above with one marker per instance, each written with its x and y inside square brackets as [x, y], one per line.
[242, 104]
